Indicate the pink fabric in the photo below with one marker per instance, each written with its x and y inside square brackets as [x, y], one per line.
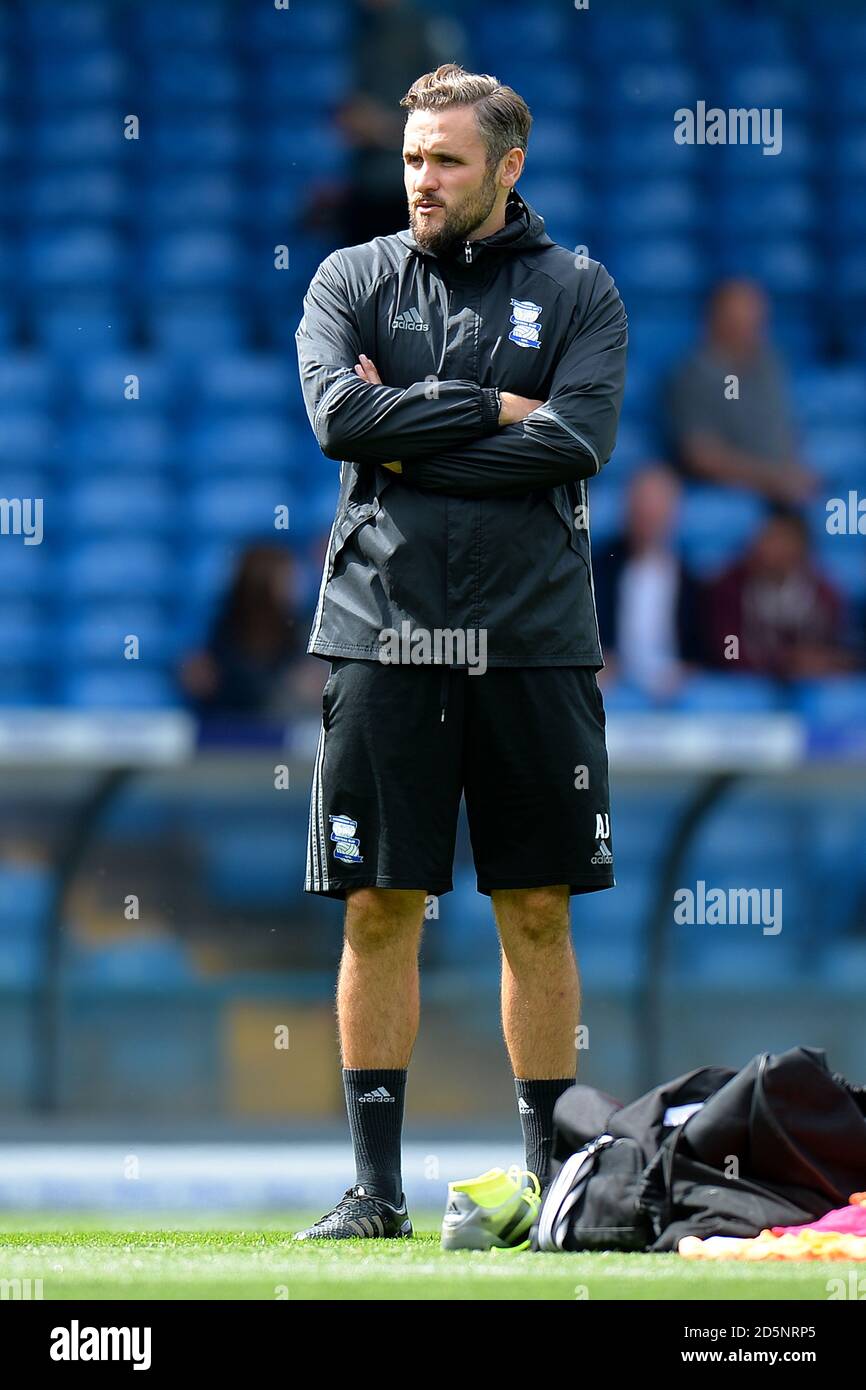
[850, 1220]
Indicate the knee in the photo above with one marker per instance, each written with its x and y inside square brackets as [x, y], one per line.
[535, 915]
[379, 917]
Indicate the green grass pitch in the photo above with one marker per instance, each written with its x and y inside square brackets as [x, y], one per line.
[235, 1256]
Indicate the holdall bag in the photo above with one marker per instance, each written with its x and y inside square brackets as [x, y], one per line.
[713, 1152]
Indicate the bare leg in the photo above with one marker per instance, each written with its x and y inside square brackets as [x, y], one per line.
[540, 981]
[377, 986]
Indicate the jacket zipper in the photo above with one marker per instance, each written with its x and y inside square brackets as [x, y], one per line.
[467, 246]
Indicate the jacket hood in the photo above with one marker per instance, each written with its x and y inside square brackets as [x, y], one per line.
[524, 228]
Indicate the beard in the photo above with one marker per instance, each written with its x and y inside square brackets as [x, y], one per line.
[457, 222]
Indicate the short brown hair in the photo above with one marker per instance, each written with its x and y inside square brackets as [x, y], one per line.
[504, 119]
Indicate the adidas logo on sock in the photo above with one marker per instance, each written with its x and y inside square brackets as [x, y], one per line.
[411, 319]
[380, 1094]
[523, 1108]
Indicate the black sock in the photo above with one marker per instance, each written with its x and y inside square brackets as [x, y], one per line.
[374, 1104]
[535, 1102]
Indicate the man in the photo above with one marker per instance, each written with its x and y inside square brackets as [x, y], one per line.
[789, 618]
[646, 596]
[730, 418]
[469, 372]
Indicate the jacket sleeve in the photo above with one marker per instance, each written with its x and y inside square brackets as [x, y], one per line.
[570, 436]
[354, 420]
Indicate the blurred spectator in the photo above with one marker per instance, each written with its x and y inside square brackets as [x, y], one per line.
[247, 665]
[645, 598]
[788, 618]
[747, 441]
[394, 44]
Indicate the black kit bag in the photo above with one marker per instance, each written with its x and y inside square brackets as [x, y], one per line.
[713, 1152]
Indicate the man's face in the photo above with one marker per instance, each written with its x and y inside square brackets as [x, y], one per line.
[450, 189]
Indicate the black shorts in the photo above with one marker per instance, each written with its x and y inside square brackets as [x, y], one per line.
[400, 744]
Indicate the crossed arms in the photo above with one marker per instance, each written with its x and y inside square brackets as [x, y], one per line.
[482, 450]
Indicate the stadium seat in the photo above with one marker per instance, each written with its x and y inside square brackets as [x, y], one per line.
[237, 508]
[838, 701]
[728, 693]
[112, 502]
[120, 686]
[126, 565]
[127, 442]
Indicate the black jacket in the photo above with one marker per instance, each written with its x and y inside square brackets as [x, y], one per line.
[487, 527]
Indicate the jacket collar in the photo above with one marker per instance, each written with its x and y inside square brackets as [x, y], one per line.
[524, 228]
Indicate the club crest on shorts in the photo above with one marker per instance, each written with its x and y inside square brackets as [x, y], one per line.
[526, 332]
[346, 846]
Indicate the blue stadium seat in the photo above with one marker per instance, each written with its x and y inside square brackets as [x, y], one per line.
[634, 148]
[734, 959]
[93, 75]
[204, 140]
[70, 195]
[728, 693]
[564, 205]
[26, 635]
[238, 507]
[196, 259]
[81, 138]
[257, 864]
[21, 962]
[831, 395]
[128, 441]
[783, 265]
[26, 571]
[123, 685]
[843, 966]
[837, 452]
[606, 508]
[27, 379]
[206, 573]
[74, 323]
[104, 381]
[617, 34]
[123, 565]
[841, 700]
[660, 266]
[246, 381]
[122, 501]
[83, 25]
[29, 437]
[196, 24]
[96, 633]
[645, 88]
[239, 444]
[324, 26]
[86, 256]
[182, 327]
[768, 84]
[211, 198]
[732, 41]
[543, 31]
[716, 524]
[779, 208]
[146, 962]
[311, 146]
[185, 78]
[319, 82]
[656, 207]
